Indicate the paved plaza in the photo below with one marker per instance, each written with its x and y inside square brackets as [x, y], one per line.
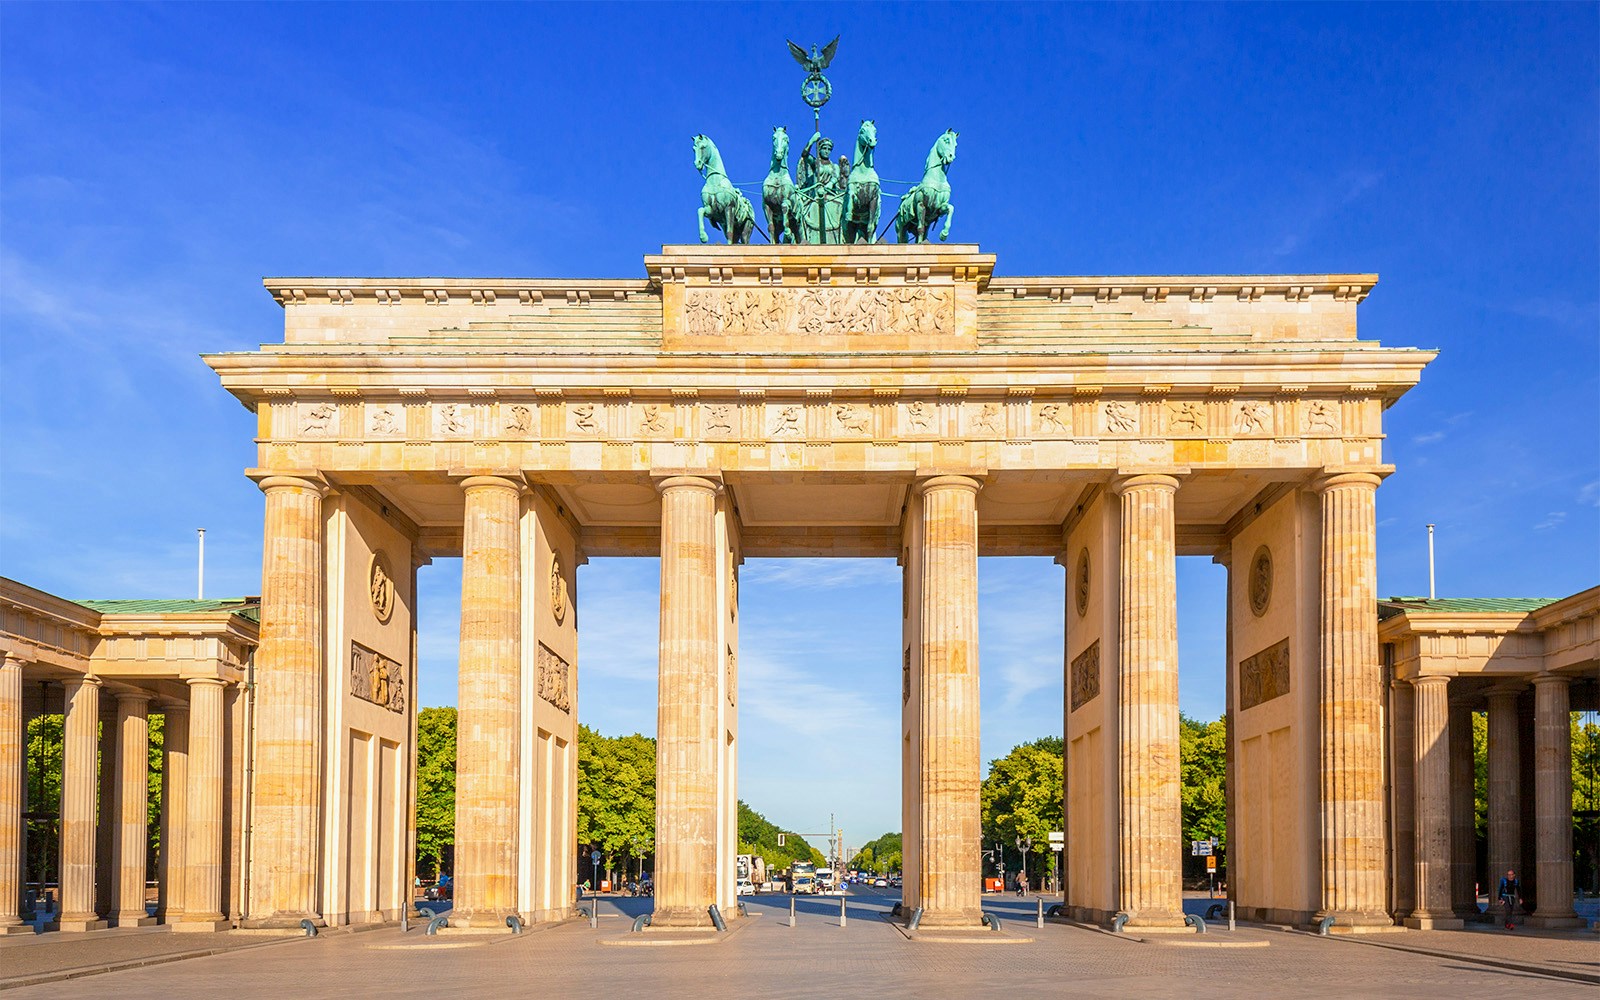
[765, 957]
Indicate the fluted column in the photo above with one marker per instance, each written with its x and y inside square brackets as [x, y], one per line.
[1432, 776]
[1505, 787]
[1463, 812]
[79, 794]
[174, 811]
[951, 880]
[131, 832]
[1552, 802]
[686, 713]
[105, 858]
[1147, 696]
[202, 866]
[1403, 737]
[1230, 755]
[489, 695]
[11, 751]
[285, 845]
[1350, 708]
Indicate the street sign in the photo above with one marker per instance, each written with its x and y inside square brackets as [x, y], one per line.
[1057, 838]
[594, 858]
[1200, 848]
[1211, 863]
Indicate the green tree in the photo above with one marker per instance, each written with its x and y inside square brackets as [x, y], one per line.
[1203, 774]
[884, 855]
[759, 837]
[616, 794]
[1021, 797]
[436, 787]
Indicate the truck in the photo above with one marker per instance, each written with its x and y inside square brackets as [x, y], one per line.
[803, 878]
[825, 880]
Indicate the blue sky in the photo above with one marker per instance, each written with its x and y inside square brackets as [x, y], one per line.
[157, 161]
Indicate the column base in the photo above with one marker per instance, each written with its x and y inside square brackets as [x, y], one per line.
[17, 928]
[1430, 922]
[940, 919]
[1158, 922]
[195, 926]
[479, 921]
[1552, 923]
[1348, 922]
[276, 922]
[135, 918]
[681, 916]
[75, 925]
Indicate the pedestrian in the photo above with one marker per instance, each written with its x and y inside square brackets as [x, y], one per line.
[1510, 896]
[1022, 883]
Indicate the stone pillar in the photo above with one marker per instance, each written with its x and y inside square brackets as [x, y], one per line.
[174, 811]
[131, 810]
[686, 713]
[1463, 812]
[285, 841]
[1403, 753]
[202, 868]
[1350, 708]
[489, 693]
[105, 858]
[1505, 787]
[1230, 756]
[951, 834]
[11, 805]
[1432, 776]
[1552, 802]
[1147, 660]
[80, 751]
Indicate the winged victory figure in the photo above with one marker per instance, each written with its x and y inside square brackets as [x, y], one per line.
[817, 60]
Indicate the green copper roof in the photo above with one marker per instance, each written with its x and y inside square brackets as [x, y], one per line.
[247, 607]
[1461, 605]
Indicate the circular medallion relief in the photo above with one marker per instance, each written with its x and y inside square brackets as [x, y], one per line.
[1083, 583]
[558, 590]
[1261, 581]
[380, 585]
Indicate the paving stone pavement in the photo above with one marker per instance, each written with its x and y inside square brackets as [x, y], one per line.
[868, 958]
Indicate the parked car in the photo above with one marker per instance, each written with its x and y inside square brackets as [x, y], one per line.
[745, 888]
[881, 883]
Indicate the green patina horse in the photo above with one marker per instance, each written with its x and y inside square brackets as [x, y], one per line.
[862, 203]
[778, 197]
[720, 201]
[923, 204]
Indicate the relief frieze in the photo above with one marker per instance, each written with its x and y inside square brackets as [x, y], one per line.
[376, 678]
[554, 679]
[820, 312]
[1264, 676]
[1086, 676]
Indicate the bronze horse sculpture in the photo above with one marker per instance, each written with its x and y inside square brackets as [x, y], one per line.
[778, 198]
[923, 204]
[862, 198]
[720, 201]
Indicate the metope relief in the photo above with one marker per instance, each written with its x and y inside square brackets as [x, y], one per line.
[554, 679]
[583, 419]
[1186, 417]
[518, 419]
[385, 420]
[1121, 418]
[1053, 418]
[1321, 416]
[819, 312]
[919, 417]
[1252, 418]
[717, 420]
[1264, 676]
[1086, 676]
[453, 420]
[319, 420]
[376, 678]
[852, 418]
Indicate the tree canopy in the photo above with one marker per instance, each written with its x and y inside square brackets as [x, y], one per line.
[1021, 797]
[436, 788]
[759, 837]
[1202, 767]
[884, 855]
[616, 794]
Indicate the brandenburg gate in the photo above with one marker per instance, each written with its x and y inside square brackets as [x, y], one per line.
[848, 400]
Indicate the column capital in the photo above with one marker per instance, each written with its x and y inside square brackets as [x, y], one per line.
[307, 482]
[1540, 680]
[199, 681]
[1122, 485]
[1507, 689]
[1346, 480]
[1431, 681]
[668, 484]
[134, 697]
[493, 481]
[9, 659]
[936, 483]
[89, 679]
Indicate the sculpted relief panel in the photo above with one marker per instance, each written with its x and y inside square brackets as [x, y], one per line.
[1086, 676]
[554, 679]
[820, 312]
[376, 678]
[1264, 676]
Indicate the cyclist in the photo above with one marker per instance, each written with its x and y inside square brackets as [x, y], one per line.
[1510, 895]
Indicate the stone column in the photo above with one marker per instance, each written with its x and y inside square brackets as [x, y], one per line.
[80, 751]
[1403, 753]
[174, 811]
[105, 858]
[1505, 787]
[686, 713]
[1147, 692]
[1350, 708]
[285, 842]
[1463, 812]
[1432, 776]
[11, 805]
[1230, 757]
[202, 867]
[951, 835]
[489, 694]
[130, 812]
[1552, 802]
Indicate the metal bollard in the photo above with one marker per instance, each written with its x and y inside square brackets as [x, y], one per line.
[791, 911]
[842, 916]
[1230, 914]
[716, 918]
[1041, 911]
